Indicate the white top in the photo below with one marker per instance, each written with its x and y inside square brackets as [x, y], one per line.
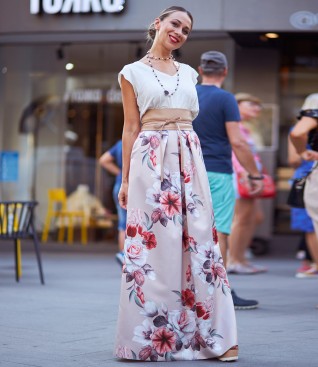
[150, 94]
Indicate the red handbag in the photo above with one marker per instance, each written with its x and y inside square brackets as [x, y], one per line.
[243, 186]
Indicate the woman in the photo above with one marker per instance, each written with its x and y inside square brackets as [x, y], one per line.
[248, 212]
[306, 131]
[300, 220]
[175, 298]
[112, 162]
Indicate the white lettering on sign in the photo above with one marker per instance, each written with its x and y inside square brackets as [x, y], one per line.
[84, 95]
[76, 6]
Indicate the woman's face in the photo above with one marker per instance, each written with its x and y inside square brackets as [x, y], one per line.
[173, 30]
[249, 110]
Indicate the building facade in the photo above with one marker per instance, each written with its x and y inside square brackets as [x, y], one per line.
[60, 105]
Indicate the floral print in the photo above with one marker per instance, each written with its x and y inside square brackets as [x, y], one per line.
[175, 298]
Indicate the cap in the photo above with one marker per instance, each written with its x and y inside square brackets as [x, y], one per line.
[213, 61]
[240, 97]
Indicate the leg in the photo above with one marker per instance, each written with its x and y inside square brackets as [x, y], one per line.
[312, 243]
[223, 242]
[223, 198]
[242, 229]
[121, 239]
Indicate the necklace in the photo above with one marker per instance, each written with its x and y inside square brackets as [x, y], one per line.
[165, 91]
[159, 58]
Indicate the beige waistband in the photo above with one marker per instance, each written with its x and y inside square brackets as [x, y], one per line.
[167, 119]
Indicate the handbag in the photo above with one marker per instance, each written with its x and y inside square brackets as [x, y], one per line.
[243, 186]
[296, 194]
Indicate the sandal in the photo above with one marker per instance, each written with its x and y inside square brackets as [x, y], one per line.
[230, 356]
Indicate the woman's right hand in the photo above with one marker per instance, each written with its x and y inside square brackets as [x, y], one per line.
[309, 155]
[123, 195]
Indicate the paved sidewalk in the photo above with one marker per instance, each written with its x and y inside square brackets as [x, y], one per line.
[70, 321]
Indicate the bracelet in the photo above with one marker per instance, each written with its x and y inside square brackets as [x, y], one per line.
[250, 177]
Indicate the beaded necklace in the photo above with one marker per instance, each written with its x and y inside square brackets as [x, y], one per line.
[165, 91]
[159, 58]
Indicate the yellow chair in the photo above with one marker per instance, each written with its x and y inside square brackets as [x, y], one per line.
[57, 208]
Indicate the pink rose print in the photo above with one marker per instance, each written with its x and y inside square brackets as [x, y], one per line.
[188, 273]
[163, 340]
[218, 270]
[135, 221]
[215, 235]
[149, 239]
[131, 230]
[171, 203]
[136, 254]
[188, 242]
[187, 298]
[153, 158]
[140, 295]
[123, 352]
[202, 311]
[139, 278]
[154, 142]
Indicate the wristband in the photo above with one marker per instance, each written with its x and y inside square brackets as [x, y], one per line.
[250, 177]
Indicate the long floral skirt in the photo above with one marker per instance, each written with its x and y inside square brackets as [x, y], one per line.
[175, 301]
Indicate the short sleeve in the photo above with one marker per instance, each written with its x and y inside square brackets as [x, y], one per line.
[113, 150]
[128, 74]
[231, 110]
[194, 75]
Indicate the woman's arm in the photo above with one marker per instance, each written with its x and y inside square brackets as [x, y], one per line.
[294, 159]
[299, 137]
[130, 134]
[107, 161]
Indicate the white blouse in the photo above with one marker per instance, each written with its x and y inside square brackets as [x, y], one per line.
[150, 94]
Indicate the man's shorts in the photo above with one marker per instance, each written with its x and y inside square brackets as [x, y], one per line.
[223, 198]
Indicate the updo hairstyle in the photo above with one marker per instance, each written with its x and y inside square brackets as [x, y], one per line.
[151, 34]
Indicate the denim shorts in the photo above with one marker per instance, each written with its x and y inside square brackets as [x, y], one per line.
[122, 213]
[223, 199]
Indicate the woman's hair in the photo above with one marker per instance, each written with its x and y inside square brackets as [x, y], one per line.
[164, 14]
[311, 102]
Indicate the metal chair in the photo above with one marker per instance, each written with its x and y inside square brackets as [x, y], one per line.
[16, 223]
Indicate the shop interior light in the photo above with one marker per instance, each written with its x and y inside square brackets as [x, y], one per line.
[271, 35]
[69, 66]
[4, 70]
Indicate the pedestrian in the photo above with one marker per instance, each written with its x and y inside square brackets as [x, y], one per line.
[300, 220]
[248, 211]
[217, 126]
[306, 132]
[112, 162]
[175, 299]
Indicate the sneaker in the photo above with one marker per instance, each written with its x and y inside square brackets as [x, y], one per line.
[243, 304]
[310, 273]
[302, 269]
[245, 269]
[120, 258]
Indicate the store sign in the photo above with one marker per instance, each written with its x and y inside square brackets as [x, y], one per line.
[76, 6]
[304, 20]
